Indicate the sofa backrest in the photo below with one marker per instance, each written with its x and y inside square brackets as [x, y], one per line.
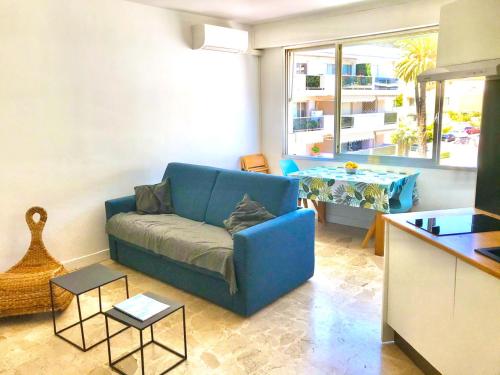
[277, 193]
[210, 194]
[191, 188]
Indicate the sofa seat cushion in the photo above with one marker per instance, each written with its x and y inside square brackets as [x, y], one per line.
[183, 240]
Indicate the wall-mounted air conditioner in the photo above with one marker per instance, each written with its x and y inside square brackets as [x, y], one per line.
[219, 38]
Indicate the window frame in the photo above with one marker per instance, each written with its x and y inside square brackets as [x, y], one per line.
[433, 162]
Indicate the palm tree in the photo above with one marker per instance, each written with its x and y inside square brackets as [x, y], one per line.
[419, 54]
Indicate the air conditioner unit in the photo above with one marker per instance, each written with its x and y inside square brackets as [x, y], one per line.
[219, 38]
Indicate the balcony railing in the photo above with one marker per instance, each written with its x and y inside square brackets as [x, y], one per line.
[356, 82]
[369, 82]
[304, 124]
[384, 83]
[326, 83]
[363, 121]
[368, 122]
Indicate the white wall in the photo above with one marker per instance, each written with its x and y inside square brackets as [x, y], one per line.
[370, 18]
[438, 188]
[97, 96]
[473, 27]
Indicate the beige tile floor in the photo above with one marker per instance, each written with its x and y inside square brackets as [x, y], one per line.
[329, 325]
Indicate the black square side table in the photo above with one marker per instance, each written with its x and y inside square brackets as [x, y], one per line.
[79, 282]
[129, 321]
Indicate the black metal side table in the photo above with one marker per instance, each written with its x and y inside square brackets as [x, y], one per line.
[129, 321]
[79, 282]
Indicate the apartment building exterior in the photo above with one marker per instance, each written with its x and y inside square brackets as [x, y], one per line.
[369, 90]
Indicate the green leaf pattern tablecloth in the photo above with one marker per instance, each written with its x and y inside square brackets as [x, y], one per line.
[367, 188]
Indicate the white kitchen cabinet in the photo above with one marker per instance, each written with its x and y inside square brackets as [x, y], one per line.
[446, 309]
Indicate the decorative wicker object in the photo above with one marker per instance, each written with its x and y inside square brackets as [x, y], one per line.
[24, 289]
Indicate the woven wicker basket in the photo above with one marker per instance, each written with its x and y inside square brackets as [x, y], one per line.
[24, 288]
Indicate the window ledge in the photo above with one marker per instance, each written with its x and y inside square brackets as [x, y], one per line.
[389, 161]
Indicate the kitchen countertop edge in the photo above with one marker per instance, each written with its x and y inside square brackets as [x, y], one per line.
[461, 245]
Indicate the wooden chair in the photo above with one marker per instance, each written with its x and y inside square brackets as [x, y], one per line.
[254, 163]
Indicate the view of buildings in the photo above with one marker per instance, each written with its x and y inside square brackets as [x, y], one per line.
[378, 112]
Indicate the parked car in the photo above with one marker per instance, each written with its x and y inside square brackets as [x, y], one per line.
[448, 137]
[462, 139]
[472, 130]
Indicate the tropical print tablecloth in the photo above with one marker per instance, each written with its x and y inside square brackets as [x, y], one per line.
[367, 188]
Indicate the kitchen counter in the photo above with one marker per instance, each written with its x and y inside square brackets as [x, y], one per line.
[440, 301]
[462, 245]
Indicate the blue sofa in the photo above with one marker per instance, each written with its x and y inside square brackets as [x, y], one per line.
[270, 258]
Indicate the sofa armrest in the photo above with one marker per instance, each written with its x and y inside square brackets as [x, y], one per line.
[274, 257]
[115, 206]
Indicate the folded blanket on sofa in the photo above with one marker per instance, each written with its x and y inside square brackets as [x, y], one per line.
[184, 240]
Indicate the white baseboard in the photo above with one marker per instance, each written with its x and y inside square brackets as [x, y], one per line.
[86, 260]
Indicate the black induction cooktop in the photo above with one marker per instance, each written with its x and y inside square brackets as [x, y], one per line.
[457, 224]
[490, 252]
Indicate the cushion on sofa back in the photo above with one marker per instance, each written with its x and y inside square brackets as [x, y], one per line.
[278, 194]
[191, 187]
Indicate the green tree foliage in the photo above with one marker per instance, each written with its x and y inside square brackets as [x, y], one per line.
[404, 135]
[473, 118]
[419, 55]
[430, 131]
[364, 69]
[313, 81]
[398, 101]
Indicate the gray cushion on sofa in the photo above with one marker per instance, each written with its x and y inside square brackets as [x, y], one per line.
[184, 240]
[247, 214]
[154, 199]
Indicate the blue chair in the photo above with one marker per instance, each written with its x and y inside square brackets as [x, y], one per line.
[288, 166]
[404, 202]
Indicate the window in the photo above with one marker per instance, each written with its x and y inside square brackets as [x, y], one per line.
[374, 106]
[346, 69]
[311, 101]
[461, 120]
[301, 68]
[380, 98]
[301, 109]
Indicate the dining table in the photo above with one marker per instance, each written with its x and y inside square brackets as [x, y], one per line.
[366, 188]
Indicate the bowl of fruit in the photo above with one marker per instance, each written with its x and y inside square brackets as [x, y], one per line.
[351, 167]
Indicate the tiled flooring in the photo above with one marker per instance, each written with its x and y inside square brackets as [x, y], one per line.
[330, 325]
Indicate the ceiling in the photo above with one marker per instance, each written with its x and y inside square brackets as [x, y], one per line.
[253, 11]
